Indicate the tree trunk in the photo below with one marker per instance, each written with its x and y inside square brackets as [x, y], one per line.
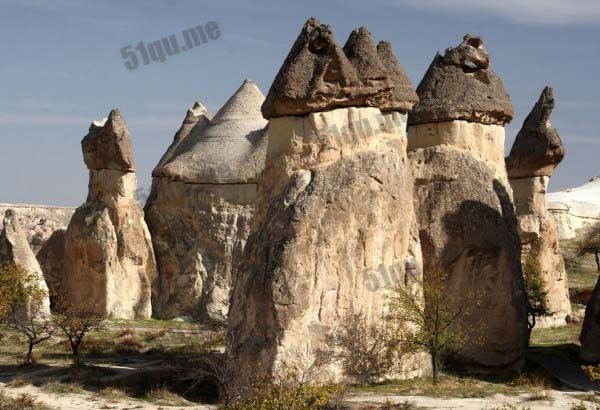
[598, 261]
[29, 356]
[436, 367]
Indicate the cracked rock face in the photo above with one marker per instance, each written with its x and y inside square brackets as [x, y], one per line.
[108, 255]
[335, 218]
[461, 85]
[467, 225]
[14, 249]
[319, 75]
[536, 153]
[202, 202]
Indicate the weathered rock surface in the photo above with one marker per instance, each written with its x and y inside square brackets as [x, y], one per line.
[14, 249]
[52, 261]
[468, 227]
[590, 330]
[335, 218]
[575, 211]
[202, 202]
[39, 221]
[109, 260]
[461, 85]
[535, 154]
[318, 75]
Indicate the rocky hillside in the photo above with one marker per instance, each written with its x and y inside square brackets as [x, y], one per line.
[39, 221]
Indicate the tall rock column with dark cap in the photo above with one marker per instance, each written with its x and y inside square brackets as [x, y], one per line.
[109, 261]
[335, 223]
[15, 250]
[535, 154]
[467, 223]
[202, 201]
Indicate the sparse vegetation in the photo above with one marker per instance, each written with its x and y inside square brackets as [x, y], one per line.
[537, 295]
[22, 402]
[76, 321]
[291, 390]
[22, 300]
[55, 387]
[591, 244]
[433, 321]
[164, 397]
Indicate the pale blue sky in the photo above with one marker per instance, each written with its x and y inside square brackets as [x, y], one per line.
[61, 68]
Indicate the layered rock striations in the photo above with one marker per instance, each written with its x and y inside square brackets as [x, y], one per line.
[108, 256]
[535, 154]
[15, 249]
[335, 222]
[468, 227]
[201, 205]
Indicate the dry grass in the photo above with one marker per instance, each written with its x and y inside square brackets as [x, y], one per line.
[20, 381]
[164, 397]
[24, 401]
[63, 388]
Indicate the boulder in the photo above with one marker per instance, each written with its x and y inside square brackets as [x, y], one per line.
[14, 249]
[461, 85]
[535, 154]
[467, 225]
[202, 202]
[318, 75]
[335, 222]
[108, 256]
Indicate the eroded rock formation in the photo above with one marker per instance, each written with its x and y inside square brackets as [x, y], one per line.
[335, 213]
[14, 249]
[108, 258]
[536, 153]
[590, 330]
[202, 201]
[468, 227]
[39, 222]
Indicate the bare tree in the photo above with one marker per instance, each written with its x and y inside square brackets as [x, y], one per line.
[76, 321]
[22, 306]
[591, 244]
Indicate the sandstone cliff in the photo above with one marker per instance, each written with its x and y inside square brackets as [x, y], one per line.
[14, 249]
[108, 256]
[468, 227]
[202, 201]
[536, 153]
[335, 221]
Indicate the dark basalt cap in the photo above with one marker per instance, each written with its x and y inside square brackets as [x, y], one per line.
[318, 75]
[460, 85]
[538, 149]
[108, 145]
[404, 96]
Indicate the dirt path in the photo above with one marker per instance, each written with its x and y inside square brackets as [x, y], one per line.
[553, 399]
[89, 401]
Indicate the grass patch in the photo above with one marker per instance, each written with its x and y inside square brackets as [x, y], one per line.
[63, 388]
[555, 335]
[113, 393]
[129, 345]
[581, 275]
[164, 397]
[20, 381]
[24, 401]
[450, 386]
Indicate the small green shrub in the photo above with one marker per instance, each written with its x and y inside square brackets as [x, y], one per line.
[63, 388]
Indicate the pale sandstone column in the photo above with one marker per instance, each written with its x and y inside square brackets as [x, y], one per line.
[467, 223]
